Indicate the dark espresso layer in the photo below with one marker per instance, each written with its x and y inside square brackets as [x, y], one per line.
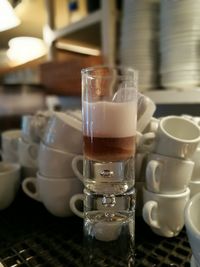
[109, 149]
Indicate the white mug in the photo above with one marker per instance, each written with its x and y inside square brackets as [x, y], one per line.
[28, 153]
[196, 170]
[9, 143]
[146, 109]
[164, 213]
[167, 175]
[9, 183]
[55, 194]
[140, 166]
[64, 132]
[55, 163]
[192, 224]
[175, 137]
[194, 187]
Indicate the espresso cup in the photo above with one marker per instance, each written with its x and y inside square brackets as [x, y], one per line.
[27, 129]
[55, 194]
[9, 183]
[140, 166]
[55, 163]
[164, 213]
[9, 143]
[196, 169]
[175, 137]
[192, 224]
[146, 109]
[28, 153]
[167, 175]
[194, 187]
[64, 132]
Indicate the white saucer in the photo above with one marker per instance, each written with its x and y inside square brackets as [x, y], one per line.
[192, 262]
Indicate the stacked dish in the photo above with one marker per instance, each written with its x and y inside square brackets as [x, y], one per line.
[138, 45]
[179, 43]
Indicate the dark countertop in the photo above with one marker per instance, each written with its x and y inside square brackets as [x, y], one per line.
[30, 236]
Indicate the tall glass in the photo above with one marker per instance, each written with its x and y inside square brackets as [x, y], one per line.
[109, 229]
[109, 109]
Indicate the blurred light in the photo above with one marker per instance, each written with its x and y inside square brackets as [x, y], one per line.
[8, 19]
[24, 49]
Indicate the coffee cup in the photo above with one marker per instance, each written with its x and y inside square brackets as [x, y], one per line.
[140, 166]
[28, 153]
[9, 143]
[9, 183]
[167, 175]
[196, 169]
[55, 194]
[175, 137]
[192, 224]
[56, 163]
[164, 213]
[194, 187]
[146, 109]
[63, 132]
[27, 129]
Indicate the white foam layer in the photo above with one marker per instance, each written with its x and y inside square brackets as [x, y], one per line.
[110, 119]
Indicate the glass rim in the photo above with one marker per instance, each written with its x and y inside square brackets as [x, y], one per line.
[89, 70]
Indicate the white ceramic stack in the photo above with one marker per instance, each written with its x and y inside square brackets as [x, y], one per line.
[55, 182]
[9, 145]
[28, 146]
[169, 150]
[138, 45]
[179, 44]
[194, 184]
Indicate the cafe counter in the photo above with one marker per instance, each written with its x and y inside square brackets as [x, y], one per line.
[30, 236]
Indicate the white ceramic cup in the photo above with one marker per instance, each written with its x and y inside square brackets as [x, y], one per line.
[164, 213]
[194, 187]
[176, 137]
[27, 128]
[167, 175]
[140, 166]
[196, 170]
[9, 183]
[28, 153]
[55, 194]
[55, 163]
[64, 132]
[146, 109]
[192, 224]
[9, 143]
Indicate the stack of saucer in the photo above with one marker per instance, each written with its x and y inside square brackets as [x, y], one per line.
[179, 44]
[55, 182]
[139, 40]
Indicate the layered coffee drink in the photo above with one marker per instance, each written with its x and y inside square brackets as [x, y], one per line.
[109, 113]
[109, 130]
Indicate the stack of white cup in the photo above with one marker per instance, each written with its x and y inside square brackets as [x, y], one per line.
[168, 173]
[194, 184]
[55, 181]
[9, 145]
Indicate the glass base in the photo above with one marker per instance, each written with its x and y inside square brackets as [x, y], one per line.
[109, 177]
[109, 238]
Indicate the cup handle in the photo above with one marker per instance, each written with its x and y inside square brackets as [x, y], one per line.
[146, 142]
[152, 180]
[72, 204]
[75, 161]
[147, 213]
[26, 188]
